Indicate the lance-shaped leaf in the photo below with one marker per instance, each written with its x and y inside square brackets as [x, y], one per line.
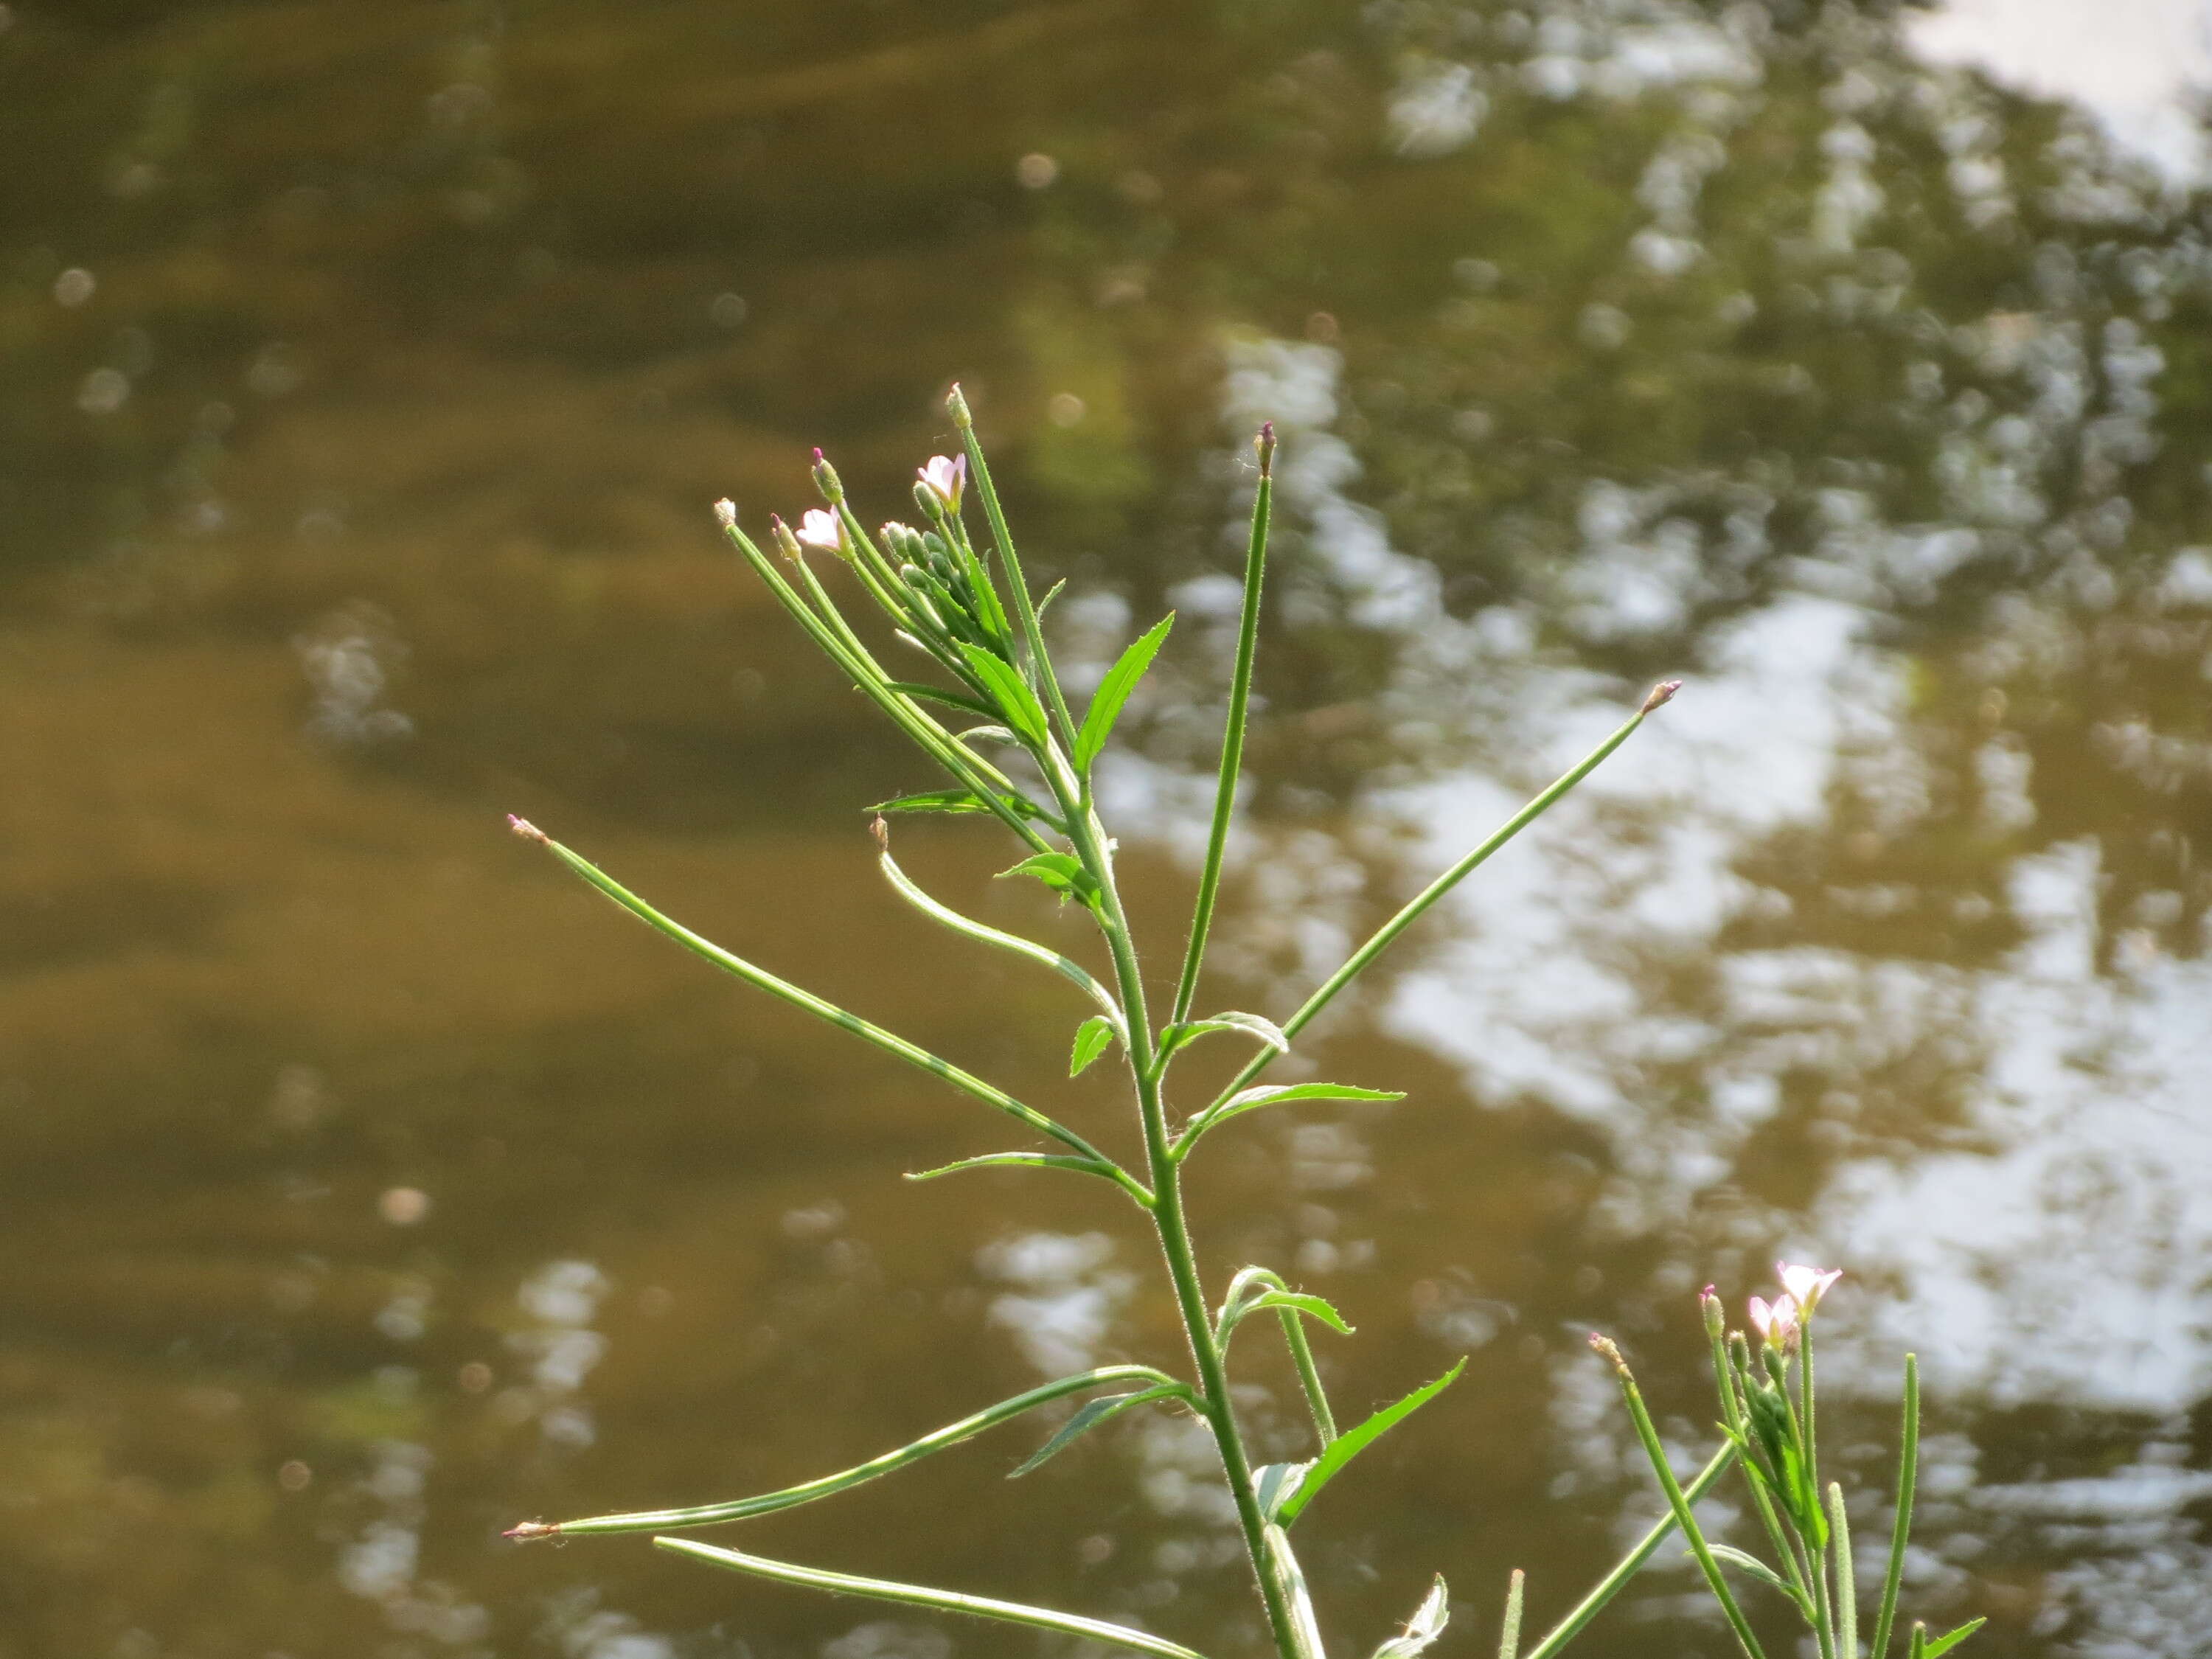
[1251, 1100]
[1090, 1415]
[1091, 1166]
[1934, 1647]
[959, 800]
[1061, 872]
[924, 1596]
[1114, 691]
[1010, 691]
[829, 1485]
[1253, 1025]
[1758, 1568]
[939, 694]
[820, 1007]
[1272, 1484]
[1354, 1441]
[1092, 1038]
[1066, 967]
[1426, 1624]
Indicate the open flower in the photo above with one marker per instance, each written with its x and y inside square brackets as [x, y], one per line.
[1776, 1324]
[821, 529]
[1806, 1285]
[946, 478]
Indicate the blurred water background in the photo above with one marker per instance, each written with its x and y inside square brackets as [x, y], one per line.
[366, 373]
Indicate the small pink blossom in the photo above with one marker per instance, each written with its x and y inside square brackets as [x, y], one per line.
[820, 528]
[1776, 1324]
[1806, 1285]
[946, 478]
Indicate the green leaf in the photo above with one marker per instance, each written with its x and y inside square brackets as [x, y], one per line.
[1273, 1484]
[1018, 1161]
[1352, 1442]
[1114, 691]
[924, 1596]
[933, 800]
[1941, 1644]
[1177, 1036]
[1752, 1565]
[831, 1485]
[1092, 1038]
[938, 694]
[1427, 1623]
[1089, 1416]
[1291, 1580]
[1251, 1100]
[989, 734]
[1009, 690]
[1061, 871]
[1298, 1302]
[1045, 604]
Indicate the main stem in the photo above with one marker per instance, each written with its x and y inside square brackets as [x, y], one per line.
[1169, 1222]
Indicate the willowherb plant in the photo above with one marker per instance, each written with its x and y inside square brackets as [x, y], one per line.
[970, 609]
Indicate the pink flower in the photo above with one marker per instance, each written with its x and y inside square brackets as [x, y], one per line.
[946, 478]
[1776, 1324]
[820, 529]
[1806, 1285]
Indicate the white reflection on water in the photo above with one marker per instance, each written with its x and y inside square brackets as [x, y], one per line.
[2139, 65]
[1067, 1294]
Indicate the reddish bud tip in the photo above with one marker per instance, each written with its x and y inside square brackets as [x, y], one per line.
[1265, 444]
[817, 456]
[530, 1529]
[527, 830]
[1662, 694]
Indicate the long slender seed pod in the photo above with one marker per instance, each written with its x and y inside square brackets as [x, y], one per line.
[1232, 730]
[922, 1595]
[828, 1486]
[1901, 1529]
[1380, 940]
[761, 979]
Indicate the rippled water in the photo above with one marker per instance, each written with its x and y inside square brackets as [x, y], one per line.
[367, 372]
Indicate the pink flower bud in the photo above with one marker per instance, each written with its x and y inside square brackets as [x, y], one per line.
[1777, 1325]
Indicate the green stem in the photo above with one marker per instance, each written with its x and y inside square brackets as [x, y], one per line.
[1232, 736]
[1024, 610]
[1357, 962]
[1294, 1334]
[1847, 1601]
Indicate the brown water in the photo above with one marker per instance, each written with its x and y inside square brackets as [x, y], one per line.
[367, 371]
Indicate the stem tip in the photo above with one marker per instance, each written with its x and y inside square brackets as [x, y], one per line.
[957, 406]
[1662, 694]
[527, 1530]
[528, 831]
[1265, 444]
[1606, 1347]
[726, 512]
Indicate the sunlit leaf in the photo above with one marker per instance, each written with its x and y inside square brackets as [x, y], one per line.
[1114, 691]
[1061, 872]
[1752, 1565]
[1290, 1579]
[1009, 690]
[1092, 1038]
[1273, 1484]
[1251, 1100]
[938, 694]
[1354, 1441]
[1426, 1624]
[1254, 1025]
[1939, 1645]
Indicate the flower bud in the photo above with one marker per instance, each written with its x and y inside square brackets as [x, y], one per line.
[1265, 445]
[1709, 1305]
[826, 480]
[786, 542]
[726, 514]
[957, 406]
